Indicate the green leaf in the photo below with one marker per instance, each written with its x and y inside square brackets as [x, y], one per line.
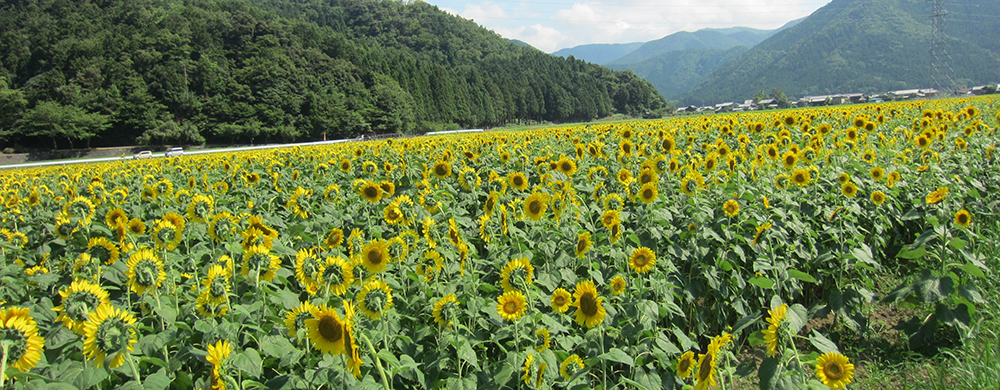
[933, 289]
[466, 383]
[618, 356]
[156, 381]
[957, 244]
[973, 270]
[912, 254]
[822, 343]
[797, 316]
[465, 352]
[762, 282]
[767, 373]
[801, 276]
[249, 362]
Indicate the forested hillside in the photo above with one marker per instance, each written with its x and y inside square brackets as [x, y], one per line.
[112, 72]
[862, 46]
[676, 72]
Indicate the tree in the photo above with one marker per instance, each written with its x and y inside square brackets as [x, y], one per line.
[12, 106]
[779, 98]
[53, 120]
[758, 97]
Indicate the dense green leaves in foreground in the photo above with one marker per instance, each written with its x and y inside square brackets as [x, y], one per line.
[166, 71]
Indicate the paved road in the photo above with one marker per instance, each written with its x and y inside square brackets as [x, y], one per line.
[155, 155]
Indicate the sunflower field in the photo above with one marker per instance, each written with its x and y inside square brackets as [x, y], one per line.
[714, 251]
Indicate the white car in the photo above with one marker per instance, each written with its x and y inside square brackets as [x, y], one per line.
[174, 152]
[143, 155]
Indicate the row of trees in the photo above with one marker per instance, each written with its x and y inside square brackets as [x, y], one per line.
[114, 72]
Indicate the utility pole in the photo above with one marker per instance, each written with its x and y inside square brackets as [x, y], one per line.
[941, 70]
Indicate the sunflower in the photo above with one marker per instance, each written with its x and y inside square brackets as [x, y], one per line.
[642, 260]
[334, 238]
[706, 370]
[375, 256]
[570, 366]
[375, 299]
[771, 336]
[78, 300]
[878, 197]
[213, 300]
[849, 189]
[25, 346]
[648, 193]
[878, 173]
[685, 365]
[937, 196]
[789, 159]
[583, 244]
[843, 178]
[731, 208]
[166, 235]
[145, 271]
[109, 333]
[350, 344]
[610, 218]
[370, 191]
[963, 217]
[217, 355]
[590, 310]
[259, 260]
[561, 300]
[511, 305]
[295, 319]
[801, 177]
[221, 226]
[618, 285]
[834, 370]
[892, 178]
[326, 331]
[104, 250]
[443, 311]
[516, 274]
[518, 180]
[308, 270]
[115, 217]
[345, 165]
[566, 165]
[442, 169]
[535, 205]
[528, 363]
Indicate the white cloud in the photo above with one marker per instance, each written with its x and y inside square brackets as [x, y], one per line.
[541, 37]
[484, 11]
[554, 24]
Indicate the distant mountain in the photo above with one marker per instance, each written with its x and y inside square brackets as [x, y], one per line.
[861, 46]
[599, 53]
[676, 72]
[708, 38]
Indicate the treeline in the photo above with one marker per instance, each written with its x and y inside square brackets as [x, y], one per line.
[114, 72]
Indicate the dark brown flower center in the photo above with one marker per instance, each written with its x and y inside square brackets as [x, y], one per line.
[535, 206]
[833, 371]
[510, 307]
[375, 256]
[588, 304]
[330, 329]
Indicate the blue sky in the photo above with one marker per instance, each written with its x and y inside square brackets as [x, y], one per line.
[551, 25]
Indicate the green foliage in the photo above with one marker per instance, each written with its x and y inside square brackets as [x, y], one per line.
[239, 71]
[861, 46]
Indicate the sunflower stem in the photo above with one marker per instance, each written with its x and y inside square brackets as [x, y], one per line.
[131, 364]
[604, 366]
[378, 362]
[3, 361]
